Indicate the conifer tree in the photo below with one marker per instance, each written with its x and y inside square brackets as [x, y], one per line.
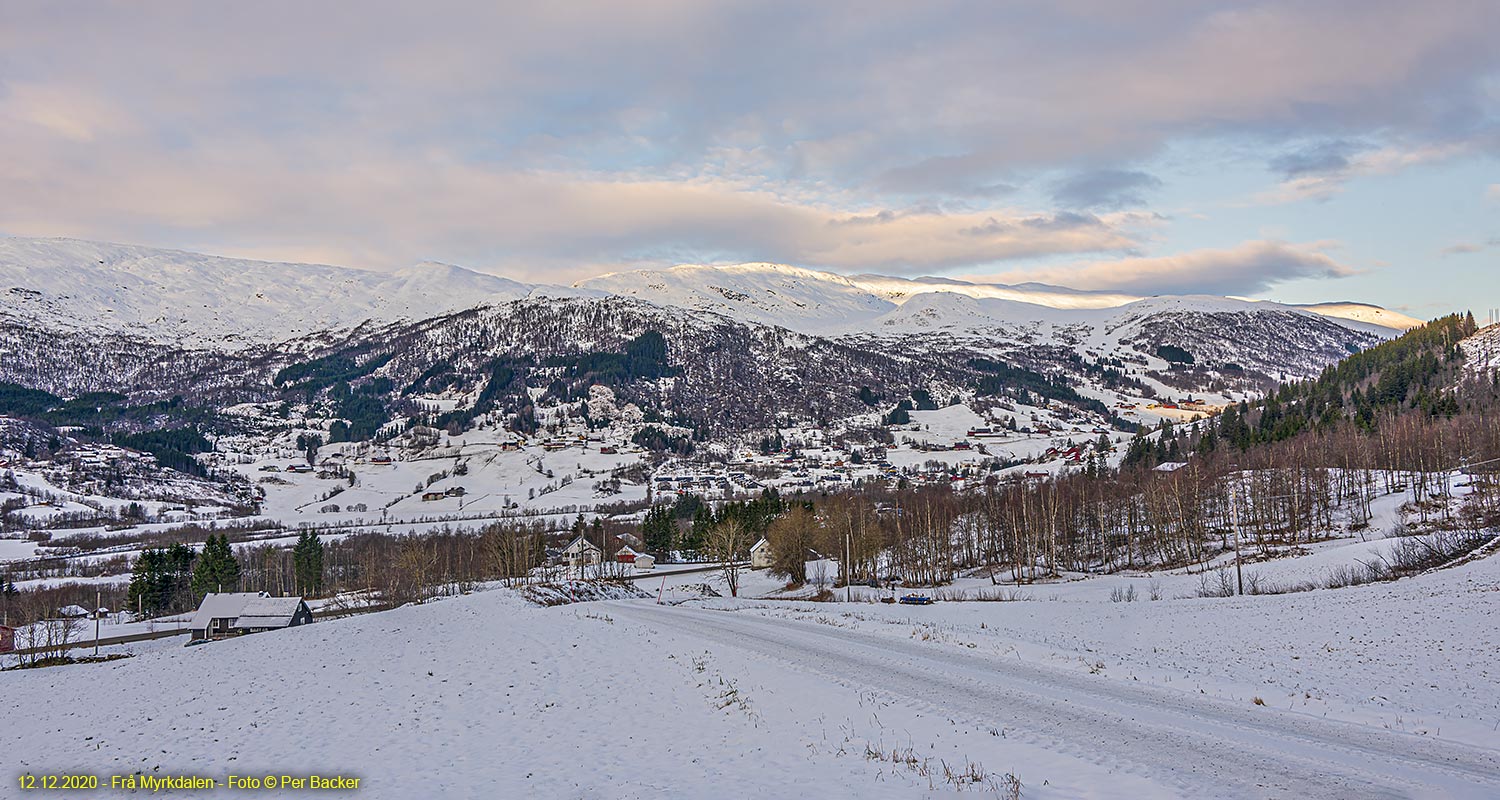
[307, 563]
[217, 569]
[657, 530]
[159, 582]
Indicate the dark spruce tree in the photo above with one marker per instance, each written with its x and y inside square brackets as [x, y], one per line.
[217, 569]
[160, 581]
[307, 563]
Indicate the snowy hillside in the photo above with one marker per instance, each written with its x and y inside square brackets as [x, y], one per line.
[1482, 350]
[191, 299]
[1379, 691]
[1363, 312]
[770, 294]
[198, 301]
[79, 317]
[824, 303]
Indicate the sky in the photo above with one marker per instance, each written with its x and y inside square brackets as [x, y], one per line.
[1300, 151]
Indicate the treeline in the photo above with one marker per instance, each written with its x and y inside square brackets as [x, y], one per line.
[999, 378]
[175, 579]
[168, 429]
[682, 529]
[396, 570]
[173, 447]
[644, 358]
[1300, 466]
[1420, 371]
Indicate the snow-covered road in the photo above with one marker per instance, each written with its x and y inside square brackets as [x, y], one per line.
[1198, 745]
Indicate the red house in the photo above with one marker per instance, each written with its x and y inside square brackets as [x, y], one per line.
[7, 639]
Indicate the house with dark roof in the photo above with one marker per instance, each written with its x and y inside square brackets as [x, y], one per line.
[582, 552]
[225, 614]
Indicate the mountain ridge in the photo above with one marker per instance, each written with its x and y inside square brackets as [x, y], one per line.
[191, 299]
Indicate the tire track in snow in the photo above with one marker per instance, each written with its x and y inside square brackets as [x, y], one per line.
[1198, 743]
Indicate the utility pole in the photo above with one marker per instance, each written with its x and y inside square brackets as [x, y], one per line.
[98, 603]
[848, 571]
[1234, 504]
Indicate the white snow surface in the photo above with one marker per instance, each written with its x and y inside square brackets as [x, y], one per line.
[1386, 690]
[181, 297]
[1482, 350]
[824, 303]
[1364, 312]
[192, 299]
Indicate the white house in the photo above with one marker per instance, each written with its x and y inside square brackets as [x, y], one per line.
[582, 552]
[760, 554]
[644, 561]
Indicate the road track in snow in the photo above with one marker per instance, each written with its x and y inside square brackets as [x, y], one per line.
[1202, 746]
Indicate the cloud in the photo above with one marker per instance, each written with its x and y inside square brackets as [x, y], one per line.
[1322, 180]
[368, 206]
[591, 132]
[1469, 248]
[1248, 269]
[1492, 193]
[1318, 159]
[1105, 188]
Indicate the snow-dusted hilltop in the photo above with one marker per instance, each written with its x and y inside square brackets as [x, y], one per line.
[1365, 313]
[208, 302]
[824, 303]
[798, 299]
[199, 300]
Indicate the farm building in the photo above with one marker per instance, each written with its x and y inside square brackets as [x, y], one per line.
[234, 613]
[760, 554]
[7, 638]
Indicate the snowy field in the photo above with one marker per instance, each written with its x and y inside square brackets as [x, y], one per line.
[1386, 690]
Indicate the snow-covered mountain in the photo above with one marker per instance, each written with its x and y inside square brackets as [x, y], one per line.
[154, 324]
[198, 301]
[1374, 316]
[189, 299]
[824, 303]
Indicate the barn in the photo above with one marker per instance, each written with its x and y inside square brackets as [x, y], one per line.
[760, 554]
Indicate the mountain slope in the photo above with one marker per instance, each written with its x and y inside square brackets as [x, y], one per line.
[824, 303]
[1374, 316]
[197, 300]
[157, 325]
